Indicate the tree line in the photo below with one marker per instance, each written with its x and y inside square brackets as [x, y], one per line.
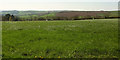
[9, 17]
[59, 16]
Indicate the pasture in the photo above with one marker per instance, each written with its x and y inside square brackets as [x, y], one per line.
[60, 39]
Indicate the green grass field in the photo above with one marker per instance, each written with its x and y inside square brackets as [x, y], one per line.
[0, 39]
[60, 39]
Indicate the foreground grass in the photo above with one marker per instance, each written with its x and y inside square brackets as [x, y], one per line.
[0, 40]
[64, 39]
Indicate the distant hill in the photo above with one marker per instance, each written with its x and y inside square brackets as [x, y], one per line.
[22, 13]
[61, 15]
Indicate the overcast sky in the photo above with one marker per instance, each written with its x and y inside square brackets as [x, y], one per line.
[87, 5]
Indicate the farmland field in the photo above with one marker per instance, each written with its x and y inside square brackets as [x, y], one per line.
[60, 39]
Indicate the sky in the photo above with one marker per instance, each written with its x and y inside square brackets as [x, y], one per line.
[86, 5]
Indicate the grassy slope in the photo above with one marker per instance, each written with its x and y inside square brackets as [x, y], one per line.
[87, 39]
[0, 40]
